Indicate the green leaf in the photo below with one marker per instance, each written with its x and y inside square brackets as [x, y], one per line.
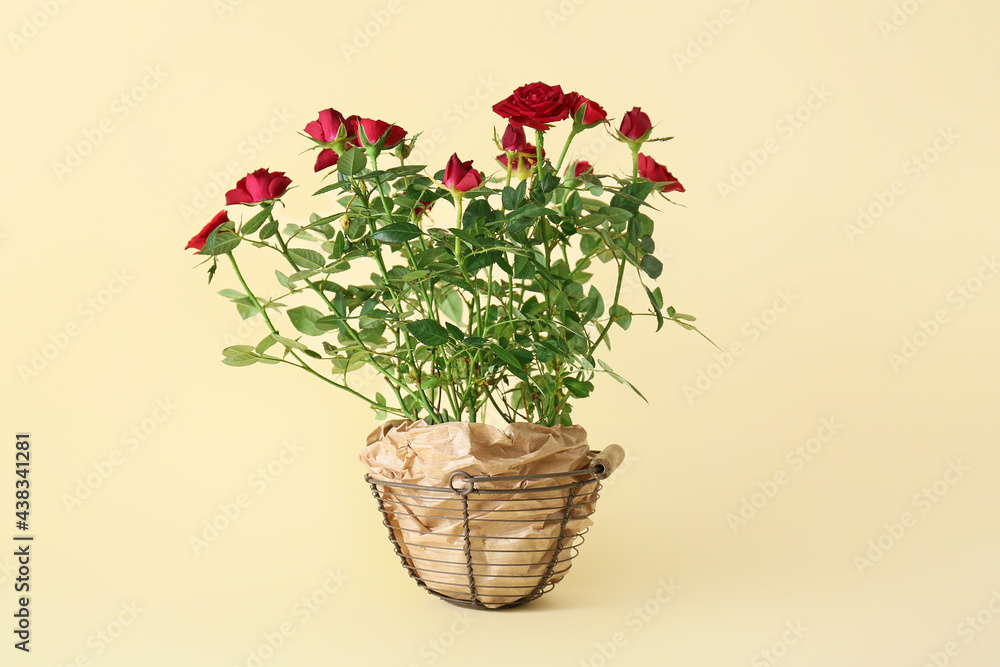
[269, 230]
[241, 361]
[475, 263]
[304, 319]
[656, 304]
[428, 332]
[232, 294]
[508, 198]
[352, 161]
[577, 388]
[506, 356]
[621, 316]
[254, 223]
[451, 305]
[220, 241]
[398, 232]
[282, 279]
[307, 259]
[475, 213]
[651, 266]
[265, 344]
[289, 343]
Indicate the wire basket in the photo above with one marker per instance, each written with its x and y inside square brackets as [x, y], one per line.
[492, 542]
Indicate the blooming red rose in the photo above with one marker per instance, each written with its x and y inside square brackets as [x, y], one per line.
[535, 105]
[258, 186]
[373, 130]
[652, 170]
[329, 127]
[326, 158]
[594, 113]
[198, 240]
[636, 125]
[581, 167]
[513, 140]
[460, 176]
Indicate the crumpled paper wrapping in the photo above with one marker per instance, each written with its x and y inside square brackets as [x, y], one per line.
[429, 525]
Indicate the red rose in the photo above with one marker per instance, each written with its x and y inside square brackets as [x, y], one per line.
[636, 125]
[513, 140]
[372, 130]
[535, 105]
[581, 167]
[198, 240]
[460, 176]
[258, 186]
[652, 170]
[594, 113]
[328, 127]
[326, 158]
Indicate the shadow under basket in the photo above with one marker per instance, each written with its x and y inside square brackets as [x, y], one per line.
[493, 542]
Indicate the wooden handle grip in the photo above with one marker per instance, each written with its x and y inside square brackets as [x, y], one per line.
[608, 460]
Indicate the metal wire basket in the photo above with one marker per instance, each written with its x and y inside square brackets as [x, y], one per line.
[492, 542]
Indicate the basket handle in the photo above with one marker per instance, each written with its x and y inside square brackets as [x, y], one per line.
[607, 461]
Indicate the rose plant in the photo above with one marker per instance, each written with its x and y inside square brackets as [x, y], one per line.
[499, 310]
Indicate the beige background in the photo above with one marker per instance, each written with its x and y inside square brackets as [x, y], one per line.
[96, 280]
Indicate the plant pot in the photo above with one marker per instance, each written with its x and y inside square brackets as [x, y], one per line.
[482, 540]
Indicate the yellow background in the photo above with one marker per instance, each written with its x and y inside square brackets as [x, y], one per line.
[236, 80]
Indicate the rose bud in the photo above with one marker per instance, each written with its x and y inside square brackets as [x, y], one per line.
[581, 167]
[587, 113]
[326, 158]
[636, 126]
[522, 165]
[652, 170]
[198, 240]
[371, 131]
[460, 176]
[535, 105]
[259, 186]
[513, 140]
[329, 127]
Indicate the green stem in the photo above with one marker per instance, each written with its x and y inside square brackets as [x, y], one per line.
[569, 140]
[302, 364]
[618, 291]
